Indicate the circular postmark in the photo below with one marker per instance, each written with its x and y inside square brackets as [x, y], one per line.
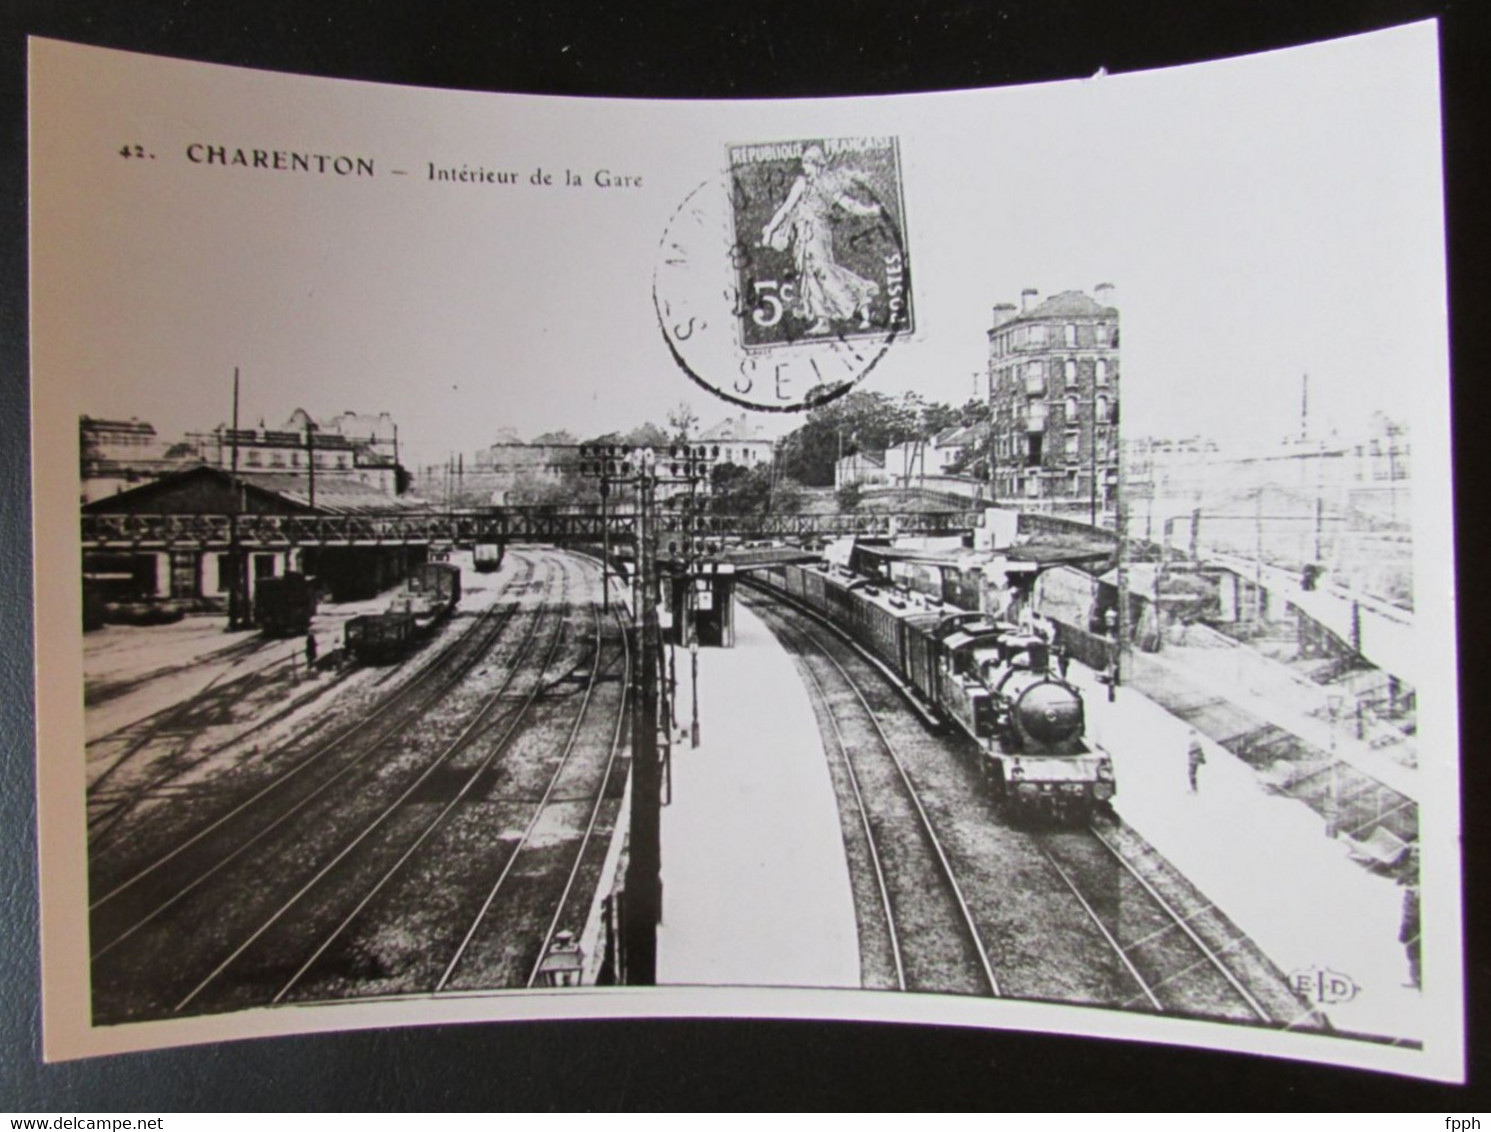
[781, 287]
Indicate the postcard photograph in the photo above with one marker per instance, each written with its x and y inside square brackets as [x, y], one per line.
[979, 558]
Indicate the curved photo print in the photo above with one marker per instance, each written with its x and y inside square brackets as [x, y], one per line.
[978, 558]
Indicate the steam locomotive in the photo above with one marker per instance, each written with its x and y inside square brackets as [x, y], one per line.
[1000, 685]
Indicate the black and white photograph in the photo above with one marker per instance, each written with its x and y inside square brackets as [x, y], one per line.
[980, 558]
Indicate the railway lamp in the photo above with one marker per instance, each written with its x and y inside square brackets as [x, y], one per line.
[694, 665]
[562, 963]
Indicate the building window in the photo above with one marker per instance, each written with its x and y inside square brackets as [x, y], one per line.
[1073, 444]
[1070, 371]
[1071, 335]
[1038, 335]
[1100, 410]
[252, 458]
[1071, 410]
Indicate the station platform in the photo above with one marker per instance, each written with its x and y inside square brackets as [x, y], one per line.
[1273, 692]
[756, 887]
[1384, 633]
[1263, 858]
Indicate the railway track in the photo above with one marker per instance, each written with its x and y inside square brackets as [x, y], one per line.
[583, 780]
[218, 868]
[170, 740]
[1094, 916]
[102, 691]
[507, 861]
[1182, 955]
[226, 811]
[291, 937]
[917, 929]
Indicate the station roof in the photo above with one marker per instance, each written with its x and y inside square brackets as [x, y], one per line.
[205, 489]
[1059, 554]
[748, 557]
[335, 495]
[1037, 553]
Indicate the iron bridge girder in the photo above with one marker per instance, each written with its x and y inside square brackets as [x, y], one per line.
[517, 524]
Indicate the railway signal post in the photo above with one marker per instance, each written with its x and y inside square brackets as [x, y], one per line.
[643, 468]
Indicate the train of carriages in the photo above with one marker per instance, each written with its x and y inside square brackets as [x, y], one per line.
[998, 683]
[429, 594]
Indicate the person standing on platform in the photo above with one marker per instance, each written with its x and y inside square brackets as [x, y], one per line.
[1408, 929]
[1195, 758]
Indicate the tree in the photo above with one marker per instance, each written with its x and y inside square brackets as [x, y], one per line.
[738, 490]
[974, 411]
[856, 422]
[647, 435]
[849, 496]
[752, 491]
[682, 420]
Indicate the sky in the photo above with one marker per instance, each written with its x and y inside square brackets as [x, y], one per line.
[1261, 218]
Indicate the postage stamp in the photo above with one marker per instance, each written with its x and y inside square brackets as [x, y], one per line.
[820, 246]
[783, 288]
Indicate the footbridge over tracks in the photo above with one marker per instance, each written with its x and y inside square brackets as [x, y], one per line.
[559, 526]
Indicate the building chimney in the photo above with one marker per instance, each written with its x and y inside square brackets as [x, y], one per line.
[1106, 295]
[1027, 299]
[1002, 314]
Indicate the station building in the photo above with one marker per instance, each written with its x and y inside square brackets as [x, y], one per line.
[1053, 400]
[195, 575]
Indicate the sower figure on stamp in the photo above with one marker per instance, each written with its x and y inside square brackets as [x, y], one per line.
[825, 290]
[1195, 758]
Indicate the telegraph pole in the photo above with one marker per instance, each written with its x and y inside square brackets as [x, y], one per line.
[614, 463]
[605, 548]
[235, 570]
[310, 445]
[644, 882]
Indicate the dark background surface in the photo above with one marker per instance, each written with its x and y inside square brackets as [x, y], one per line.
[689, 48]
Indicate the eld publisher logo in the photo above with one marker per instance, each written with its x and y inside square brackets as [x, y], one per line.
[1323, 987]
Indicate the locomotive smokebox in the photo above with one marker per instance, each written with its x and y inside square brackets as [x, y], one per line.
[1050, 713]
